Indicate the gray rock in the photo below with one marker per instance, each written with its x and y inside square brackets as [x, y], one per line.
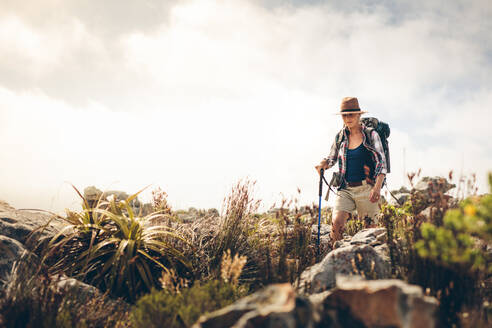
[433, 185]
[371, 236]
[274, 306]
[186, 218]
[402, 190]
[19, 224]
[121, 196]
[10, 251]
[361, 260]
[431, 192]
[378, 303]
[324, 235]
[92, 194]
[82, 289]
[325, 229]
[383, 252]
[401, 198]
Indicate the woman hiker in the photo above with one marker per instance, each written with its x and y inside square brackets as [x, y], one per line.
[362, 168]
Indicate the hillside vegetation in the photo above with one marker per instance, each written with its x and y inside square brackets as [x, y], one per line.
[161, 267]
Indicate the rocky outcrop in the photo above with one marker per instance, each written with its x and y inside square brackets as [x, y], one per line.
[429, 193]
[353, 303]
[19, 224]
[426, 191]
[378, 303]
[16, 226]
[275, 306]
[365, 254]
[433, 185]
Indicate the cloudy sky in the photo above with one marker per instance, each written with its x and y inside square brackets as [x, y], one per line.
[193, 95]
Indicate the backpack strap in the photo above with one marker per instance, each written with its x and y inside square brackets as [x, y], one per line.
[368, 132]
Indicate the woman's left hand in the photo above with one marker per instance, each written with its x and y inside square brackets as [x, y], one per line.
[375, 194]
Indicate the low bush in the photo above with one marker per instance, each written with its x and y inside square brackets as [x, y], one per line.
[353, 226]
[440, 244]
[164, 308]
[459, 247]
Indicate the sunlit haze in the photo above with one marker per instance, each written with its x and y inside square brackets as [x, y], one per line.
[192, 96]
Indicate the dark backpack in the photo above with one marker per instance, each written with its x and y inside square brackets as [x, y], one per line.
[383, 131]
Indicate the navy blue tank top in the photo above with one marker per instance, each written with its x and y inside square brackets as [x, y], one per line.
[356, 159]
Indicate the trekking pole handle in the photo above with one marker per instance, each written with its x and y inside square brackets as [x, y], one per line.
[322, 171]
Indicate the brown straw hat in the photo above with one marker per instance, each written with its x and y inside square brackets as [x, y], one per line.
[350, 105]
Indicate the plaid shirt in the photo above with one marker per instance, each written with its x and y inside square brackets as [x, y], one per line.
[375, 147]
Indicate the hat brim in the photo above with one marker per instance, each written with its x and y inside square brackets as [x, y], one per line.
[345, 113]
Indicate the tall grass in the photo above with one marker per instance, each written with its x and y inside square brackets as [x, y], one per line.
[174, 270]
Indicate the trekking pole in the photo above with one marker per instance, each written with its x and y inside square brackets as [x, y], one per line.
[319, 207]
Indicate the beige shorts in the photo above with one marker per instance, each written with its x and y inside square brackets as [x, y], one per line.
[351, 199]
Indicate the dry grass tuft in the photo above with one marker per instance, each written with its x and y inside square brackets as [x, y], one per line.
[231, 268]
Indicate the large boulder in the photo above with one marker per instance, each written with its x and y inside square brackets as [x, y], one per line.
[364, 254]
[378, 303]
[275, 306]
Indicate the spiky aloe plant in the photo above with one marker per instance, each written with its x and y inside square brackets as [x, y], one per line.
[113, 249]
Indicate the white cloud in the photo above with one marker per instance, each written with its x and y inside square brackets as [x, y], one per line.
[216, 91]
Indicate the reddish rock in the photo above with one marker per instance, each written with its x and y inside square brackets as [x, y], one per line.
[377, 303]
[275, 306]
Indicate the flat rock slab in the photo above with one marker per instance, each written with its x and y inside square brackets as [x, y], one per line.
[372, 236]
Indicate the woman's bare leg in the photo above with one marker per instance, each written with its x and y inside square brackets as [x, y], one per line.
[338, 225]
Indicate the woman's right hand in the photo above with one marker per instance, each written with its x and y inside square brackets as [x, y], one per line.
[322, 165]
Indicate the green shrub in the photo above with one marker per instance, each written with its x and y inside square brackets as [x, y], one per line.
[353, 226]
[113, 249]
[455, 243]
[168, 309]
[444, 250]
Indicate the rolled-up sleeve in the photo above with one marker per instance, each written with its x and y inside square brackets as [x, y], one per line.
[381, 167]
[333, 155]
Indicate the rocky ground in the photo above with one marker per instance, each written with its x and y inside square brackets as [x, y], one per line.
[349, 287]
[16, 228]
[336, 292]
